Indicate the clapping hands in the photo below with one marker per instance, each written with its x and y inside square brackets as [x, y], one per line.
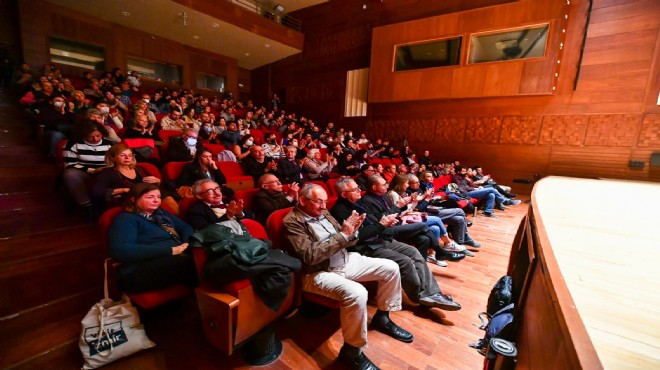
[352, 223]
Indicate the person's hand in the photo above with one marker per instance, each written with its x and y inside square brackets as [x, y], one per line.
[151, 180]
[214, 165]
[402, 202]
[352, 223]
[271, 166]
[234, 208]
[388, 220]
[98, 169]
[179, 249]
[294, 190]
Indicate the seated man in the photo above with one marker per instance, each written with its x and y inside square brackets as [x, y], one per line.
[455, 219]
[365, 171]
[173, 121]
[288, 169]
[257, 164]
[388, 172]
[320, 242]
[417, 234]
[210, 209]
[490, 195]
[416, 278]
[270, 197]
[183, 148]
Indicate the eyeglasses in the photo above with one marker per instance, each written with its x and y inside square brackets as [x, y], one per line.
[318, 202]
[356, 190]
[217, 189]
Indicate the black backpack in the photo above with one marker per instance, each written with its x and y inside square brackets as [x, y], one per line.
[501, 295]
[497, 325]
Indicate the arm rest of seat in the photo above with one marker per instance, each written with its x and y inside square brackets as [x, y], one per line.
[218, 312]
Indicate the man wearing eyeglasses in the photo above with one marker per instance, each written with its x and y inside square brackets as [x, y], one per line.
[210, 209]
[270, 197]
[373, 241]
[334, 272]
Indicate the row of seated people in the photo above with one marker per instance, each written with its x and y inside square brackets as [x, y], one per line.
[366, 247]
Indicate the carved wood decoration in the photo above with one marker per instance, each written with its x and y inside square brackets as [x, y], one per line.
[649, 136]
[520, 130]
[612, 130]
[563, 130]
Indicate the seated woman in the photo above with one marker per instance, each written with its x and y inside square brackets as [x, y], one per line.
[317, 169]
[84, 157]
[150, 243]
[347, 165]
[114, 182]
[397, 190]
[141, 128]
[203, 167]
[242, 149]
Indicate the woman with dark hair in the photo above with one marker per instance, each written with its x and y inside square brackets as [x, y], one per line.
[242, 149]
[150, 243]
[84, 157]
[114, 182]
[203, 167]
[346, 165]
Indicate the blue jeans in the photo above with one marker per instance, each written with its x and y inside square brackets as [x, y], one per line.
[490, 195]
[436, 225]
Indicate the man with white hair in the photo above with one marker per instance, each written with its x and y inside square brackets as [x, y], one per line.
[320, 242]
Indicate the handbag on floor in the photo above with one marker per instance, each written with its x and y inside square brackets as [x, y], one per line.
[111, 330]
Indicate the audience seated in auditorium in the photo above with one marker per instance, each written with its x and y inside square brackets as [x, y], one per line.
[58, 122]
[150, 243]
[481, 179]
[320, 242]
[231, 135]
[84, 157]
[455, 218]
[388, 172]
[113, 183]
[417, 281]
[288, 169]
[211, 209]
[203, 166]
[365, 171]
[271, 197]
[141, 128]
[257, 164]
[490, 195]
[183, 148]
[317, 169]
[273, 149]
[173, 121]
[417, 234]
[398, 195]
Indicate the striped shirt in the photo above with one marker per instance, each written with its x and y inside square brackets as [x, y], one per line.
[84, 156]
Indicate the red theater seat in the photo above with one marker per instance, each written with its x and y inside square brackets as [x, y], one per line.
[146, 300]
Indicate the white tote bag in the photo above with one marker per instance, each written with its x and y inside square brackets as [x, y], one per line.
[111, 330]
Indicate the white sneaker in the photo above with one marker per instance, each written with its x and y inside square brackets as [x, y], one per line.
[453, 247]
[431, 259]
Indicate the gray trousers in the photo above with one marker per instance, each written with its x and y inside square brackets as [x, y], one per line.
[456, 224]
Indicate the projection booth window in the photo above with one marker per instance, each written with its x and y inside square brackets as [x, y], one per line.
[529, 42]
[431, 54]
[155, 70]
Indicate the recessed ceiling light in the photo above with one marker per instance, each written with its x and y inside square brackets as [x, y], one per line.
[153, 37]
[196, 37]
[267, 45]
[215, 25]
[125, 13]
[247, 54]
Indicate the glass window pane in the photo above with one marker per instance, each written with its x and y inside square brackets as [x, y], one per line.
[438, 53]
[509, 45]
[206, 81]
[76, 54]
[155, 70]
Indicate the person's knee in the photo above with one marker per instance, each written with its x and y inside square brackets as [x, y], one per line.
[358, 295]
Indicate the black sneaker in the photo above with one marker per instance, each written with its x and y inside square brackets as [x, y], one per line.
[489, 214]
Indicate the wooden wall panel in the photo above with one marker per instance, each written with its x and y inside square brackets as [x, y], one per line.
[608, 116]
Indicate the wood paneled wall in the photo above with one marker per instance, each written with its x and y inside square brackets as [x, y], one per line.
[40, 20]
[594, 130]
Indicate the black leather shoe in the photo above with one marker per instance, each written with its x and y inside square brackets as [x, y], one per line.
[361, 362]
[449, 256]
[469, 223]
[394, 331]
[500, 207]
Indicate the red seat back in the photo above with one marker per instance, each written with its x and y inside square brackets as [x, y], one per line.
[150, 168]
[246, 196]
[230, 169]
[141, 142]
[274, 224]
[165, 135]
[214, 148]
[258, 136]
[172, 170]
